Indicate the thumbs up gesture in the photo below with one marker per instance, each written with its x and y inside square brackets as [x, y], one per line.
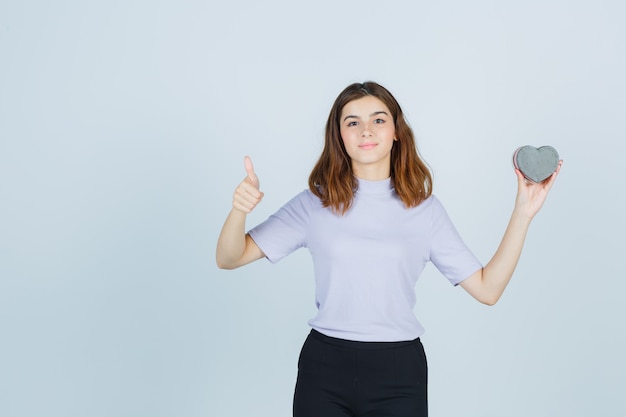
[247, 194]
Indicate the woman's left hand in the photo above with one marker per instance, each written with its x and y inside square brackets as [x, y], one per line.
[532, 195]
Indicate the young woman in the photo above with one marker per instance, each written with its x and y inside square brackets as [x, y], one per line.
[371, 224]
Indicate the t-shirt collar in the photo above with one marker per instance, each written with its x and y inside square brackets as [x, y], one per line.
[374, 187]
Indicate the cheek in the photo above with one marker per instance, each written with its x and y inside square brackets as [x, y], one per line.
[348, 144]
[345, 137]
[391, 131]
[342, 135]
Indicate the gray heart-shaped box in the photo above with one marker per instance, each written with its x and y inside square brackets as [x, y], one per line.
[536, 164]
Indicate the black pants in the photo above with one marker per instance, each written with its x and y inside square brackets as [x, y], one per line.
[339, 377]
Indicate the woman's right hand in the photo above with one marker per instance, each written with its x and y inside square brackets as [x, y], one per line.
[247, 194]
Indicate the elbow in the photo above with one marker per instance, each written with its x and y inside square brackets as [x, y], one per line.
[221, 264]
[489, 300]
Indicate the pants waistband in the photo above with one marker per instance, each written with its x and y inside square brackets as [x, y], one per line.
[354, 344]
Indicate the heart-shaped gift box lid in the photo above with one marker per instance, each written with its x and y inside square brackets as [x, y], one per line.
[536, 164]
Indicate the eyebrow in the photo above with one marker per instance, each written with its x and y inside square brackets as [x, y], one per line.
[376, 113]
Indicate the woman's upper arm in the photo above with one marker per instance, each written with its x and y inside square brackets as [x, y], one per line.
[251, 253]
[474, 285]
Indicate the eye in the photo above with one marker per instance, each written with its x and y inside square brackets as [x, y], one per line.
[379, 121]
[353, 123]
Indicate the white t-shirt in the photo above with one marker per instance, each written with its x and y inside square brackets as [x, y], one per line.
[367, 261]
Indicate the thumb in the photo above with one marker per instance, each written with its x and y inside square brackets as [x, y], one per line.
[247, 162]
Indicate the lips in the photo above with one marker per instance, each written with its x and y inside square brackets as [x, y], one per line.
[367, 146]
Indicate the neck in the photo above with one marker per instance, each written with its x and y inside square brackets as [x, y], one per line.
[371, 173]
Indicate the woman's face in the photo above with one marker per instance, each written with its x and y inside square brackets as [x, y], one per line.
[368, 132]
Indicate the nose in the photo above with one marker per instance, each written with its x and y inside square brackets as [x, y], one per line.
[366, 132]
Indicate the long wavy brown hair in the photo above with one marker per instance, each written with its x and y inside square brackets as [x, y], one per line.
[332, 178]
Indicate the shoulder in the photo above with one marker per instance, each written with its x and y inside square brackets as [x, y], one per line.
[434, 202]
[306, 198]
[432, 208]
[430, 203]
[303, 202]
[436, 206]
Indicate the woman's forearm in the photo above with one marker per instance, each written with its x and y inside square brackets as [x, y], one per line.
[231, 243]
[499, 270]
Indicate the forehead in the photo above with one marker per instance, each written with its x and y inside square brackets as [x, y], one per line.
[364, 106]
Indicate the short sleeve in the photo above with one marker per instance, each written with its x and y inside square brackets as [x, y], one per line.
[284, 231]
[448, 252]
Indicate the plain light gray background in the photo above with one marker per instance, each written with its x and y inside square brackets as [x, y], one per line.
[123, 127]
